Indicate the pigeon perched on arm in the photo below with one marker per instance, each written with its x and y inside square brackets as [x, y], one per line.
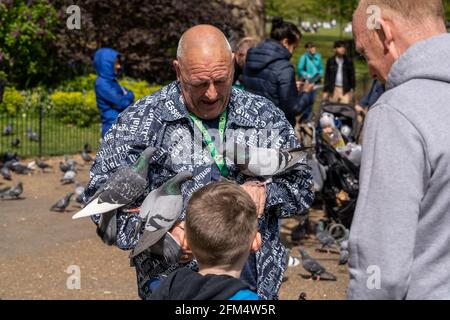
[312, 266]
[13, 193]
[263, 162]
[160, 210]
[62, 203]
[124, 187]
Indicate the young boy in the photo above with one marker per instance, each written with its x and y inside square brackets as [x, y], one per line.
[221, 231]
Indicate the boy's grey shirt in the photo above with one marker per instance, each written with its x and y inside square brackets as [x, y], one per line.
[402, 219]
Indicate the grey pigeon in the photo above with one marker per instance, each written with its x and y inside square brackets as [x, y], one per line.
[62, 203]
[72, 164]
[32, 136]
[42, 165]
[8, 130]
[12, 193]
[124, 187]
[312, 266]
[160, 210]
[326, 240]
[86, 157]
[87, 148]
[19, 168]
[79, 190]
[6, 173]
[343, 253]
[69, 177]
[63, 167]
[15, 143]
[262, 162]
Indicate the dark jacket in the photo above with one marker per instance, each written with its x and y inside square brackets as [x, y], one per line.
[349, 78]
[373, 95]
[161, 120]
[111, 98]
[185, 284]
[268, 72]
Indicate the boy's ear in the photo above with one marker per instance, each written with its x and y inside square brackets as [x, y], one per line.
[257, 242]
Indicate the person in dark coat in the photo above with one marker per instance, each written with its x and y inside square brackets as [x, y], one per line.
[111, 97]
[269, 73]
[340, 79]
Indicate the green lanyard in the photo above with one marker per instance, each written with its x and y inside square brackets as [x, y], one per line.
[218, 158]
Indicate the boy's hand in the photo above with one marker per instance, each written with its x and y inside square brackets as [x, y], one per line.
[257, 192]
[179, 235]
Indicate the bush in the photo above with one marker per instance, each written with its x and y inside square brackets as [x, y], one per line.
[75, 108]
[13, 101]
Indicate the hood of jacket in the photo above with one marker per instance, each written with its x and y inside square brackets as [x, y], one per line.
[185, 284]
[429, 58]
[104, 61]
[266, 53]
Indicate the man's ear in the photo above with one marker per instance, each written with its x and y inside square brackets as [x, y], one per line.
[176, 65]
[257, 242]
[386, 37]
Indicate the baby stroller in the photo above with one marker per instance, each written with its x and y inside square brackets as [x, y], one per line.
[335, 173]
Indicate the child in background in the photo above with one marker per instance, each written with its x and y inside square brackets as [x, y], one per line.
[221, 231]
[329, 131]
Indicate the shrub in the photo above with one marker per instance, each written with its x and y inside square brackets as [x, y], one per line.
[75, 108]
[13, 101]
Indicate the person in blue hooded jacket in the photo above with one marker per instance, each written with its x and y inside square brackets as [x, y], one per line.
[111, 97]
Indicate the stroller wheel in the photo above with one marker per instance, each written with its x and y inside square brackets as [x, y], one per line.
[338, 231]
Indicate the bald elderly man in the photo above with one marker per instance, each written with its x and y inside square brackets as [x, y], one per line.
[399, 242]
[190, 112]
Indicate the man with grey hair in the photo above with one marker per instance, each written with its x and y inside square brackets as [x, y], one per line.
[189, 121]
[400, 232]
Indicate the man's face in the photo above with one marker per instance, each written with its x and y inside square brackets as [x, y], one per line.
[205, 84]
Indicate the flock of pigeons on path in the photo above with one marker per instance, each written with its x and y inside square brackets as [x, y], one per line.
[161, 208]
[11, 165]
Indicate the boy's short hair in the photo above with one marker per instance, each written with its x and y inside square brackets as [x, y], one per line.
[339, 44]
[310, 45]
[220, 221]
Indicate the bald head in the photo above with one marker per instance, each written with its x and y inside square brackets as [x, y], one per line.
[204, 68]
[203, 40]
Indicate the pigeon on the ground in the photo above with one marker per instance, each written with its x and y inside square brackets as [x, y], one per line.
[8, 130]
[13, 193]
[62, 203]
[343, 256]
[63, 167]
[262, 162]
[32, 136]
[86, 157]
[69, 177]
[160, 210]
[301, 230]
[31, 165]
[42, 165]
[317, 271]
[15, 143]
[87, 148]
[6, 173]
[71, 163]
[326, 240]
[79, 190]
[124, 187]
[302, 296]
[19, 168]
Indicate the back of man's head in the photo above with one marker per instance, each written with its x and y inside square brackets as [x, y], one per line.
[413, 11]
[221, 223]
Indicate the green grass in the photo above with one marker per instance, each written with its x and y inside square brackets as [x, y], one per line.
[57, 138]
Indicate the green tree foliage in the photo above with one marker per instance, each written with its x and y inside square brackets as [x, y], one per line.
[26, 35]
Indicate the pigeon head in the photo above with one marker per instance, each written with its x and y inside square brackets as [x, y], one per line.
[141, 165]
[304, 254]
[173, 186]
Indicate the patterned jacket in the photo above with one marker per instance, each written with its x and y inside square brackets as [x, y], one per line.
[162, 120]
